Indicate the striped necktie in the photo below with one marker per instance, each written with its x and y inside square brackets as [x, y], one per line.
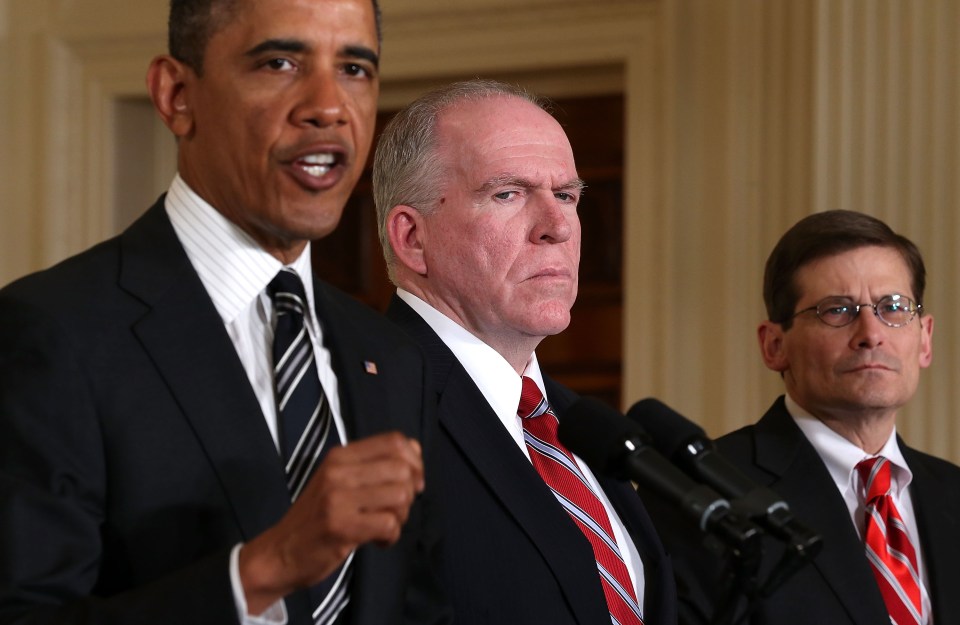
[892, 557]
[305, 422]
[560, 471]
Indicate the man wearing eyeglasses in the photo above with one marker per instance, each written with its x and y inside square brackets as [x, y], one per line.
[848, 334]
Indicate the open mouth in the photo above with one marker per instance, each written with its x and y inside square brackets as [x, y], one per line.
[318, 165]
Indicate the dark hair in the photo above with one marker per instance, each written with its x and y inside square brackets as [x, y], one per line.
[827, 234]
[192, 22]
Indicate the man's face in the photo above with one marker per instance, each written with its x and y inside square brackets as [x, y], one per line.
[279, 126]
[865, 368]
[502, 249]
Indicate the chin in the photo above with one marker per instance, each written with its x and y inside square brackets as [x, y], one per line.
[312, 224]
[554, 326]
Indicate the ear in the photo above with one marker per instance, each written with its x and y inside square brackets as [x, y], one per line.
[926, 341]
[167, 80]
[405, 231]
[770, 336]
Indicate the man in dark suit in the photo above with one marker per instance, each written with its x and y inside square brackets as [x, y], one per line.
[477, 191]
[849, 336]
[141, 478]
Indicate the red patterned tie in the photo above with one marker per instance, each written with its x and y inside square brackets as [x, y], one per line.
[561, 473]
[891, 555]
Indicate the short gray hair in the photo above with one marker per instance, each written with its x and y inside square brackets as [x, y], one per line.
[406, 169]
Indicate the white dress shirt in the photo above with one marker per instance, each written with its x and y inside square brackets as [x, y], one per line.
[841, 457]
[501, 386]
[235, 272]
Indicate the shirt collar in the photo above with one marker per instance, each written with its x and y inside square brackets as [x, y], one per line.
[841, 456]
[490, 371]
[234, 269]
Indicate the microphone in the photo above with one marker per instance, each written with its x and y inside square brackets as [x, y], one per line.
[688, 446]
[613, 445]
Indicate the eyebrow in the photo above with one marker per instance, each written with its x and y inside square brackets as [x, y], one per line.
[362, 52]
[277, 45]
[299, 46]
[575, 184]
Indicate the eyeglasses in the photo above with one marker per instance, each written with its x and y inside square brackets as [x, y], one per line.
[894, 310]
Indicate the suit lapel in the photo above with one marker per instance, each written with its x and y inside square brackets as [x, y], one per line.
[351, 350]
[475, 430]
[478, 434]
[186, 339]
[359, 360]
[803, 480]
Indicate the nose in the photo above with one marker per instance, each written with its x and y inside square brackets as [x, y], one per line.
[555, 222]
[321, 103]
[869, 330]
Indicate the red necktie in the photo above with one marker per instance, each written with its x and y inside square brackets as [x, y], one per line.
[891, 555]
[560, 471]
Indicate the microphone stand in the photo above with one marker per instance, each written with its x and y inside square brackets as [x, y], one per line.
[740, 580]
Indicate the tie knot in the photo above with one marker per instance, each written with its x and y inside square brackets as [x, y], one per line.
[532, 403]
[875, 473]
[286, 291]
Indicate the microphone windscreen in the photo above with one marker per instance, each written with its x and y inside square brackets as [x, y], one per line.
[668, 429]
[594, 431]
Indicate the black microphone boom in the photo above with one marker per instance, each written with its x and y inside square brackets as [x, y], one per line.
[613, 445]
[686, 444]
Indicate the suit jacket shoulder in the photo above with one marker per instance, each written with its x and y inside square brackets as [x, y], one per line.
[512, 555]
[133, 448]
[837, 586]
[80, 397]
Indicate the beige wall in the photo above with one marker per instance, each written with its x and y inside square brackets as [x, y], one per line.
[742, 116]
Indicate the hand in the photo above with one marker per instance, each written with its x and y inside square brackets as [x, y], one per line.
[360, 493]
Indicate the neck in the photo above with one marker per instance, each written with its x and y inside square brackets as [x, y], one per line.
[514, 347]
[518, 358]
[868, 432]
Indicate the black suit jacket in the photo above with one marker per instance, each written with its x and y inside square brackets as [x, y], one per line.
[838, 586]
[134, 454]
[512, 555]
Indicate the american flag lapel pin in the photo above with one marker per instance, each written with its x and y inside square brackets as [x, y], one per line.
[370, 367]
